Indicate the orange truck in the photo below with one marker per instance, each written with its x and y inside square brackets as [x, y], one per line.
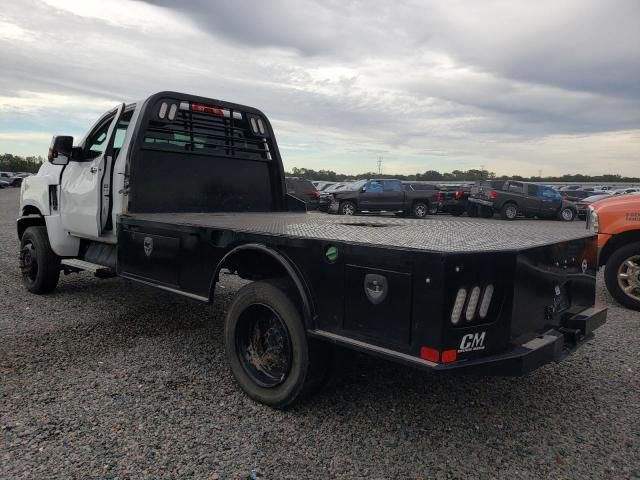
[616, 220]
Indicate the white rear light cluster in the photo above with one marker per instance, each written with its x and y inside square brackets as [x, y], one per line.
[477, 296]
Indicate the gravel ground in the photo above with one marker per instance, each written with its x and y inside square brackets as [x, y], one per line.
[109, 379]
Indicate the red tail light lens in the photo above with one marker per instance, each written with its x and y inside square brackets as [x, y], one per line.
[493, 194]
[449, 356]
[438, 196]
[429, 354]
[459, 195]
[315, 194]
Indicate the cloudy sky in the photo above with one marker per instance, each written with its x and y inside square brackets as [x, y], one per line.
[519, 87]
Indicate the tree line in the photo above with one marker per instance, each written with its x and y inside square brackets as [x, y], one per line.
[16, 163]
[457, 175]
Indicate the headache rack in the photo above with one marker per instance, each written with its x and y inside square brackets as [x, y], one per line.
[206, 129]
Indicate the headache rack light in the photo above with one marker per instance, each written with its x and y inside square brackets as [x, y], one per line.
[199, 108]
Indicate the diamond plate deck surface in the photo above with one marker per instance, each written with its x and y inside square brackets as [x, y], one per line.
[433, 233]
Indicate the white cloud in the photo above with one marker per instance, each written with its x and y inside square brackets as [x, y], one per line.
[516, 86]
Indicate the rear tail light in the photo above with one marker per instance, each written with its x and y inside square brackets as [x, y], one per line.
[438, 196]
[493, 194]
[486, 301]
[315, 194]
[429, 354]
[472, 303]
[459, 195]
[458, 305]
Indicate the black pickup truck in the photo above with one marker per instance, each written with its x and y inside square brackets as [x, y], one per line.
[528, 199]
[190, 187]
[385, 195]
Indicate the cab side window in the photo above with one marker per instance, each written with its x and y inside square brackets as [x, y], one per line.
[550, 193]
[97, 142]
[374, 186]
[392, 186]
[532, 189]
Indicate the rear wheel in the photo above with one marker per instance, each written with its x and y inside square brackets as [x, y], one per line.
[348, 208]
[567, 214]
[39, 265]
[622, 275]
[267, 348]
[509, 211]
[419, 210]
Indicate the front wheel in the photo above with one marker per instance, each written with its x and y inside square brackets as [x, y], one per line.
[267, 348]
[348, 208]
[567, 214]
[419, 210]
[39, 265]
[622, 275]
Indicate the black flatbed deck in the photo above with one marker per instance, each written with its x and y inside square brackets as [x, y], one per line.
[430, 234]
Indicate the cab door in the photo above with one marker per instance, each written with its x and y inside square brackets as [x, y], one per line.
[85, 187]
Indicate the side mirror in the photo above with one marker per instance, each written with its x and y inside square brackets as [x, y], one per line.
[60, 150]
[363, 189]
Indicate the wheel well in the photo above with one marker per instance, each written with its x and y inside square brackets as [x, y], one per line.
[31, 217]
[616, 242]
[258, 262]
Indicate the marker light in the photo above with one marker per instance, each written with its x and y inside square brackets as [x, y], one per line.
[429, 354]
[220, 112]
[473, 303]
[172, 111]
[486, 301]
[458, 305]
[449, 356]
[163, 110]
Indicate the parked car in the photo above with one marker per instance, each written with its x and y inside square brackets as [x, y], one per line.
[11, 179]
[304, 190]
[528, 199]
[322, 185]
[582, 205]
[616, 220]
[424, 187]
[570, 187]
[575, 195]
[624, 191]
[325, 195]
[478, 190]
[4, 184]
[382, 195]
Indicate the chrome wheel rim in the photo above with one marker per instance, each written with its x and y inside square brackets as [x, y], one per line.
[420, 210]
[567, 214]
[629, 277]
[511, 212]
[347, 209]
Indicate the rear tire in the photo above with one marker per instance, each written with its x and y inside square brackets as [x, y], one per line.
[472, 210]
[40, 266]
[567, 214]
[622, 275]
[347, 208]
[419, 210]
[267, 348]
[509, 211]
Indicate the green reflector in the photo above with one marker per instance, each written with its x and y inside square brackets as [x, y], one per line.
[331, 253]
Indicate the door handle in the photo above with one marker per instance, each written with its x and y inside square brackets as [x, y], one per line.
[93, 169]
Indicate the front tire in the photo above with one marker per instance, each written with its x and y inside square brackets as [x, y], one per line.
[567, 214]
[348, 208]
[509, 211]
[40, 266]
[267, 347]
[622, 275]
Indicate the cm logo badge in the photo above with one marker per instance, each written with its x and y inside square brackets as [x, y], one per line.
[472, 342]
